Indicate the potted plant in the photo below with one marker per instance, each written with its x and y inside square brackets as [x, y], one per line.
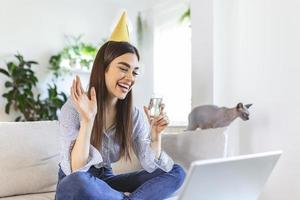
[20, 96]
[77, 55]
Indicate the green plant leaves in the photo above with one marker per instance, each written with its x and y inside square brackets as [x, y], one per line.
[17, 119]
[20, 96]
[3, 71]
[7, 107]
[11, 67]
[186, 15]
[8, 84]
[75, 54]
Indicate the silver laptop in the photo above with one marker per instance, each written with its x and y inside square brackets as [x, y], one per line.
[232, 178]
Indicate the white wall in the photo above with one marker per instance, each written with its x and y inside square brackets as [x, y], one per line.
[256, 60]
[36, 29]
[202, 52]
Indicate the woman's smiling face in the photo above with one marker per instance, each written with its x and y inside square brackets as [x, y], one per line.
[120, 75]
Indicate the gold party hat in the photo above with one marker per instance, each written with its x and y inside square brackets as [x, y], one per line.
[120, 33]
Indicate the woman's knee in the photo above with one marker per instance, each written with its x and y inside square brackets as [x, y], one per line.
[74, 185]
[179, 174]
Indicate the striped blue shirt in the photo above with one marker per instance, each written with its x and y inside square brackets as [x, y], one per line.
[69, 123]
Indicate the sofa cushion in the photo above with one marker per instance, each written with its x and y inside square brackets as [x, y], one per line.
[41, 196]
[29, 154]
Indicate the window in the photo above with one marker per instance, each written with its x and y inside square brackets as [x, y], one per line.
[172, 68]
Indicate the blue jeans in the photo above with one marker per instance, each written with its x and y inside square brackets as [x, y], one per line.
[102, 184]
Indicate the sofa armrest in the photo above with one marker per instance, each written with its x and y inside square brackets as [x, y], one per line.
[184, 148]
[188, 146]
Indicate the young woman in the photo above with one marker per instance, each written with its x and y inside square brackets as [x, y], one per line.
[100, 126]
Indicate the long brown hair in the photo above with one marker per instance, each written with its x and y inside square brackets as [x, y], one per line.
[124, 127]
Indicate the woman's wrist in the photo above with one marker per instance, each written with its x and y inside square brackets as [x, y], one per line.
[87, 121]
[156, 147]
[87, 124]
[155, 137]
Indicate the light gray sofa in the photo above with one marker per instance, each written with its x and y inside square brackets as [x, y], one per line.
[29, 155]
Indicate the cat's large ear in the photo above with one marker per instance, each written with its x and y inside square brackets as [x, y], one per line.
[248, 105]
[239, 106]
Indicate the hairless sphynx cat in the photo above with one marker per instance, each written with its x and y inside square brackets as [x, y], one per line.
[211, 116]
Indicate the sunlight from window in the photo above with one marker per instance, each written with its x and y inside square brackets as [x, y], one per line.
[172, 70]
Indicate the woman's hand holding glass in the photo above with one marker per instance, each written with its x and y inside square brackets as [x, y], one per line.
[157, 123]
[87, 107]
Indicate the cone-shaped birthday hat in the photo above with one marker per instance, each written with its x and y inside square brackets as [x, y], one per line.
[120, 33]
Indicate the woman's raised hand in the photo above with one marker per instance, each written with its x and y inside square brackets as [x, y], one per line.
[86, 107]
